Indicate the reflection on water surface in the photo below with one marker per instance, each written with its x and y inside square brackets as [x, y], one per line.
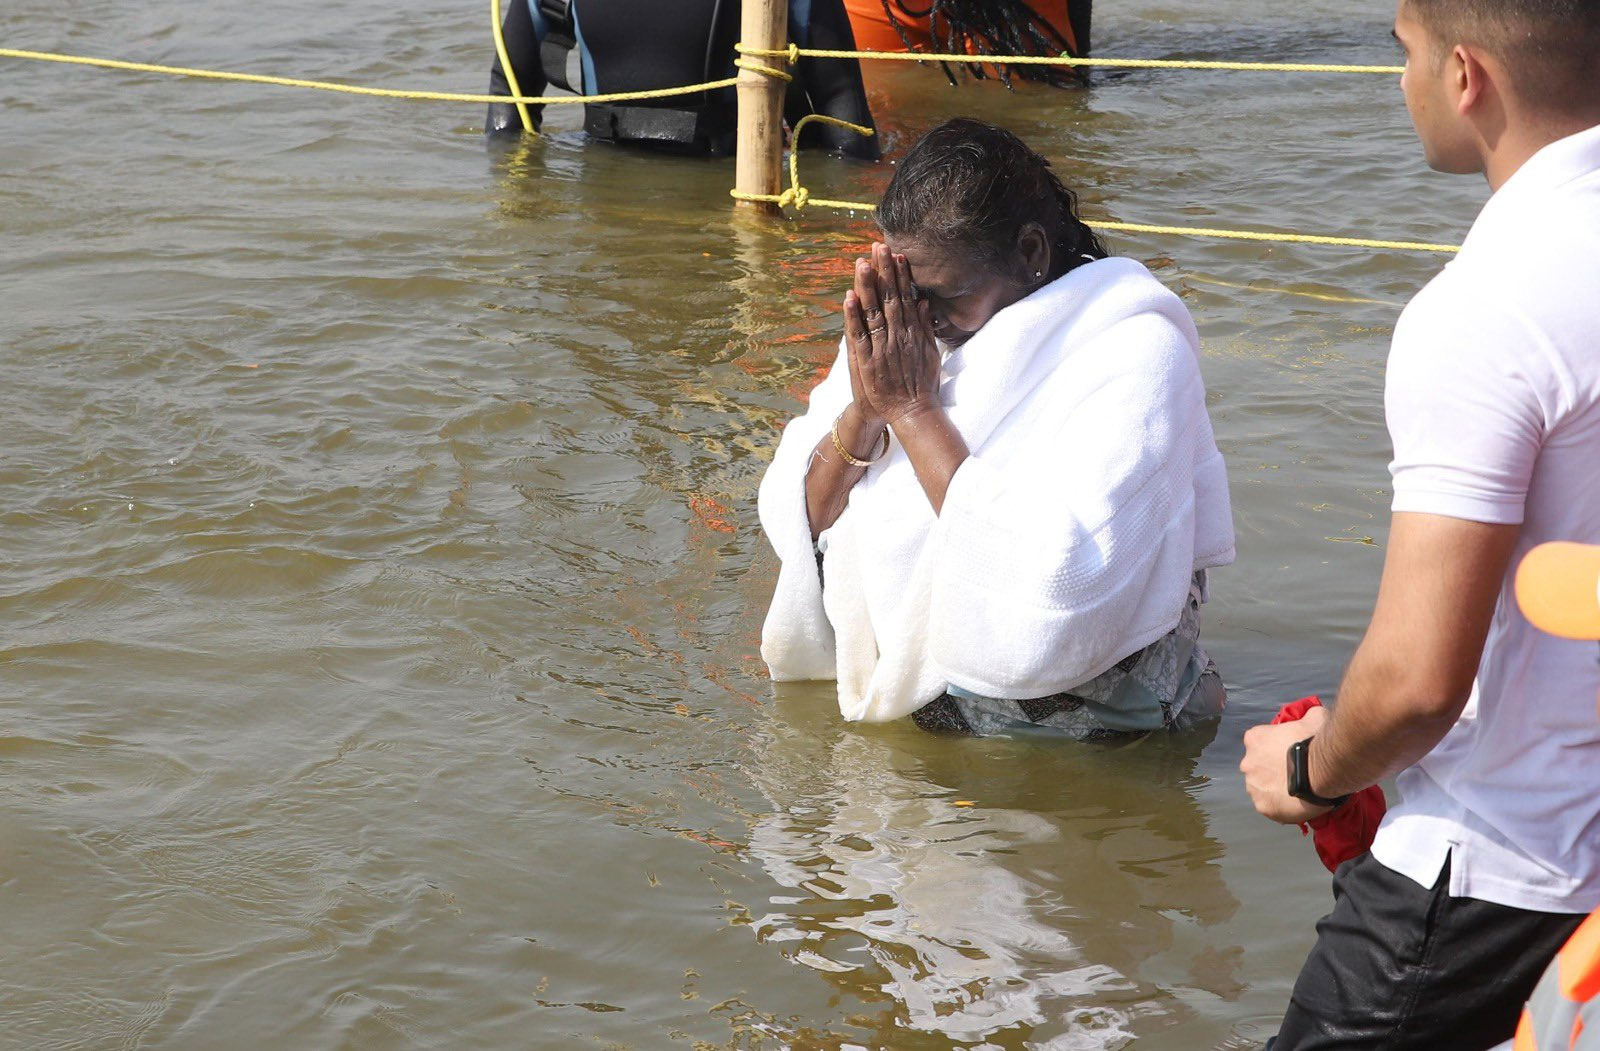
[1024, 910]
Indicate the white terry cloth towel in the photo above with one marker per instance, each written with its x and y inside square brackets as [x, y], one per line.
[1068, 540]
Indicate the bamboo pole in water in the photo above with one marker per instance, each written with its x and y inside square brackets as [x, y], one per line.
[759, 163]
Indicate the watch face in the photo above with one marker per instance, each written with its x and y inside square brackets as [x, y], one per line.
[1297, 769]
[1300, 777]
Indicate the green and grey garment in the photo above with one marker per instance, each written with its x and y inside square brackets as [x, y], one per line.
[1170, 684]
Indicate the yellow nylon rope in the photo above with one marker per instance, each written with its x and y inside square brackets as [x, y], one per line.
[794, 53]
[1321, 297]
[505, 64]
[1263, 235]
[758, 67]
[796, 195]
[352, 89]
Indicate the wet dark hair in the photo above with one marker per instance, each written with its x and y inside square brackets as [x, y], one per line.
[1551, 48]
[970, 187]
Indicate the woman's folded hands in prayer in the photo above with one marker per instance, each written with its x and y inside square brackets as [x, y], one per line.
[894, 367]
[894, 359]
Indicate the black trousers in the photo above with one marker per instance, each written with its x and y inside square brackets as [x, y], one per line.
[1400, 968]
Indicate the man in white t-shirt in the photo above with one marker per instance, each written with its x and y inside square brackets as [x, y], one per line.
[1492, 856]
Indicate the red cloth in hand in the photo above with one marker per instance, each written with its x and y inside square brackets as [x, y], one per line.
[1345, 832]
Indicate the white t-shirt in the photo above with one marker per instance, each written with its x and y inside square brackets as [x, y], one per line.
[1493, 405]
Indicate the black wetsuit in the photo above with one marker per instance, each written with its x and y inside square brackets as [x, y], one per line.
[633, 45]
[1080, 13]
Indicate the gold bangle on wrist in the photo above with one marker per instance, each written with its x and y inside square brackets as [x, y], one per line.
[854, 461]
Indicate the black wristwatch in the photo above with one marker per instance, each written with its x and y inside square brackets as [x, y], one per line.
[1300, 776]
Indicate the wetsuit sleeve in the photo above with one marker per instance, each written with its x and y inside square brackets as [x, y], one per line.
[522, 47]
[830, 86]
[1079, 15]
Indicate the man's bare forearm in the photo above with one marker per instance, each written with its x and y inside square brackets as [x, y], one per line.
[1412, 674]
[1377, 727]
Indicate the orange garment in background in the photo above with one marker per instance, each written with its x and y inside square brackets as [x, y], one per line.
[1564, 1012]
[874, 31]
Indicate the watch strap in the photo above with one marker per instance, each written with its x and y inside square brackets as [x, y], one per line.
[1300, 776]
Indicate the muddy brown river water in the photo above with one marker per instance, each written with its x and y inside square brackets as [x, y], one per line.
[381, 581]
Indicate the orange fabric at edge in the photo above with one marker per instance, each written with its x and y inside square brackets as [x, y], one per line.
[873, 31]
[1577, 972]
[1579, 962]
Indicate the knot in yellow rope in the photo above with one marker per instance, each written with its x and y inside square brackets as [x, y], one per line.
[794, 196]
[763, 69]
[790, 54]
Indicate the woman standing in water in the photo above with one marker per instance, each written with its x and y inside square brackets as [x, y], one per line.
[997, 513]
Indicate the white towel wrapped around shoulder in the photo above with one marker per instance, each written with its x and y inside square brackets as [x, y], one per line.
[1068, 539]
